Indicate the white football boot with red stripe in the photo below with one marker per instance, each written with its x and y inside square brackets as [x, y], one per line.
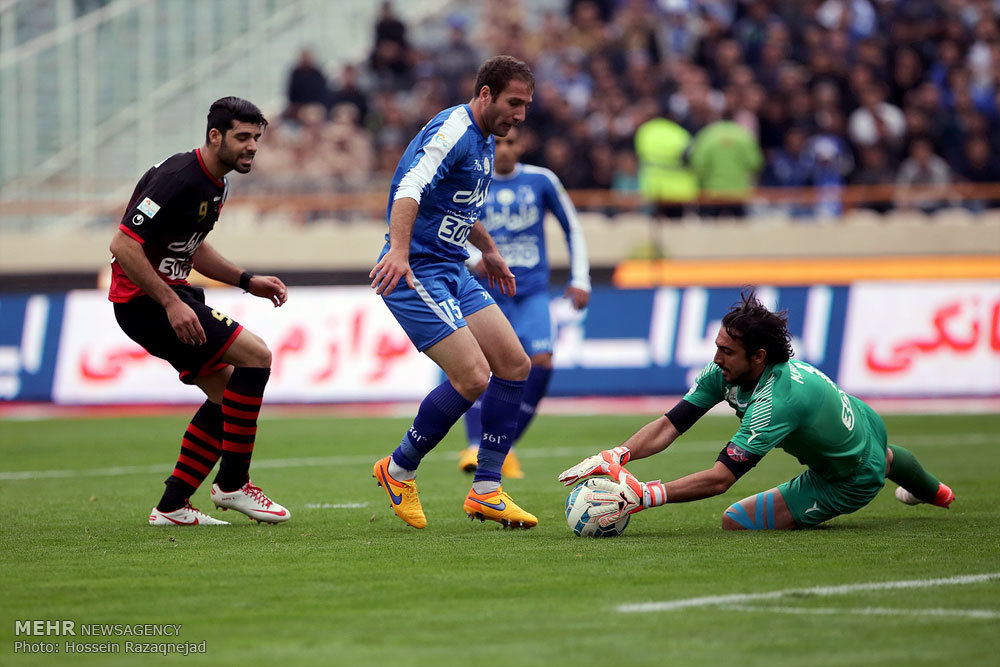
[185, 516]
[250, 500]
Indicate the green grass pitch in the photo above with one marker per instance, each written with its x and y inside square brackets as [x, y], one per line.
[347, 583]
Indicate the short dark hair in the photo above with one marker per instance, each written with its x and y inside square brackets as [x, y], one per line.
[498, 71]
[758, 328]
[227, 110]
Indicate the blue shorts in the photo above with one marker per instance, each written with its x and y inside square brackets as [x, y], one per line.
[529, 315]
[444, 293]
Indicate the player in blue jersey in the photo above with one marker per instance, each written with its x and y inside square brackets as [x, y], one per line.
[514, 216]
[435, 202]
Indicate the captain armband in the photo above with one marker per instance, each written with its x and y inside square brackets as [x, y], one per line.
[738, 460]
[684, 415]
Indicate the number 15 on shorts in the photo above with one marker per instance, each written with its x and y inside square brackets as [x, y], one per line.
[450, 310]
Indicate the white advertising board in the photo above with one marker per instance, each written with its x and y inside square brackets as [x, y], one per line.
[327, 344]
[922, 338]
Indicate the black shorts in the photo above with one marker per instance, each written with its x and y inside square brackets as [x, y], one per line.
[145, 321]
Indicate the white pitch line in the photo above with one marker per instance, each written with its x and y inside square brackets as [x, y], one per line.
[867, 611]
[524, 452]
[334, 506]
[304, 462]
[820, 591]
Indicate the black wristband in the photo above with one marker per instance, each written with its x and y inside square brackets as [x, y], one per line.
[245, 278]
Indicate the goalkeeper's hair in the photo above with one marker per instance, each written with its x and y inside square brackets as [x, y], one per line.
[758, 328]
[498, 71]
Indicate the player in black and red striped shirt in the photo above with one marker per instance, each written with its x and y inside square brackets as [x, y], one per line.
[160, 239]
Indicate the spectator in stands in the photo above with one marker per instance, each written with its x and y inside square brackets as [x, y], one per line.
[564, 163]
[306, 85]
[923, 179]
[348, 91]
[876, 121]
[588, 30]
[666, 181]
[726, 159]
[348, 148]
[875, 170]
[390, 57]
[455, 59]
[390, 28]
[626, 178]
[979, 165]
[788, 167]
[751, 30]
[634, 29]
[828, 160]
[894, 70]
[907, 73]
[678, 33]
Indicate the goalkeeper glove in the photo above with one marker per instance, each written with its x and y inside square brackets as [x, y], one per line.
[598, 464]
[614, 501]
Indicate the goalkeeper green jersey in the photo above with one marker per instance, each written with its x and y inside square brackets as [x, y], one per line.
[795, 407]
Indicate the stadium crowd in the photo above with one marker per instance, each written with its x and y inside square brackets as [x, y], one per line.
[678, 98]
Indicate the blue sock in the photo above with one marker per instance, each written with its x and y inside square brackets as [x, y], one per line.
[501, 403]
[439, 410]
[474, 423]
[535, 388]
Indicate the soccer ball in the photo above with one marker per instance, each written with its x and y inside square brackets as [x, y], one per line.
[578, 510]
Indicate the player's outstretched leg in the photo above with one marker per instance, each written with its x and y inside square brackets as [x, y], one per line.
[200, 449]
[233, 489]
[498, 506]
[535, 388]
[403, 495]
[486, 499]
[916, 485]
[438, 412]
[468, 457]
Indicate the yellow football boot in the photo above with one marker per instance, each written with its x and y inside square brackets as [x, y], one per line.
[468, 459]
[403, 496]
[498, 506]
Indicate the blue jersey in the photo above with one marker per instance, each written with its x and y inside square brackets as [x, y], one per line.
[447, 170]
[515, 215]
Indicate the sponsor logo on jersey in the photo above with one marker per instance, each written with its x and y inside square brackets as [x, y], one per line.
[505, 196]
[441, 140]
[476, 197]
[137, 219]
[149, 207]
[189, 246]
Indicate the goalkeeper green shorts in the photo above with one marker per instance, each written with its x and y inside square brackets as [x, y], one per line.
[813, 500]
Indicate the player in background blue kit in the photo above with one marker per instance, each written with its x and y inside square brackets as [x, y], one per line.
[515, 211]
[435, 202]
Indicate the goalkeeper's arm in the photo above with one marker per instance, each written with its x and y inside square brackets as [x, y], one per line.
[657, 435]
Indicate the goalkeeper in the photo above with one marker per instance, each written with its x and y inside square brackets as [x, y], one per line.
[783, 403]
